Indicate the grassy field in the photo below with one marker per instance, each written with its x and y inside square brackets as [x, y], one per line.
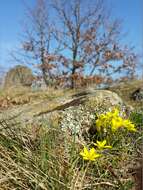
[41, 156]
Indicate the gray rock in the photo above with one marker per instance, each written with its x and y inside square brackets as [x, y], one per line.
[96, 99]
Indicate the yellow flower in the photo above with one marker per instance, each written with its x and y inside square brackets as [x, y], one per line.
[102, 121]
[109, 115]
[112, 114]
[129, 125]
[89, 154]
[102, 145]
[116, 123]
[115, 112]
[99, 124]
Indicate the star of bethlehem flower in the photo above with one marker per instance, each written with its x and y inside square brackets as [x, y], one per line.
[129, 125]
[90, 154]
[102, 145]
[113, 120]
[116, 123]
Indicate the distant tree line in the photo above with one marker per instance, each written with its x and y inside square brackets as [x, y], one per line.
[75, 43]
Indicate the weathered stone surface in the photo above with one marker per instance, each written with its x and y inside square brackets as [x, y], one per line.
[18, 76]
[106, 95]
[42, 109]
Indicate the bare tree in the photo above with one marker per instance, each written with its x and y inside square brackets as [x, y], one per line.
[91, 39]
[37, 44]
[77, 43]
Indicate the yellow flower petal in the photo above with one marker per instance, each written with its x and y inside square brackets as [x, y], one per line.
[104, 142]
[108, 146]
[85, 150]
[101, 145]
[89, 154]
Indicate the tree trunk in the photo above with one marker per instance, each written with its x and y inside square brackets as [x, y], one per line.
[73, 67]
[72, 78]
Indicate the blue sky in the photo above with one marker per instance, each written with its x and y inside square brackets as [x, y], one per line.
[12, 12]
